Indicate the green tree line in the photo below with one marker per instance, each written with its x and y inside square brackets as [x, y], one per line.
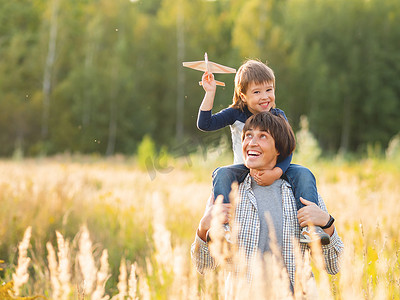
[96, 76]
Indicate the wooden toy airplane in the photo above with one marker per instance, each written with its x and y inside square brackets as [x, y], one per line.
[210, 67]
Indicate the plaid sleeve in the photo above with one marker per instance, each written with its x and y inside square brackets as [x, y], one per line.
[201, 257]
[333, 251]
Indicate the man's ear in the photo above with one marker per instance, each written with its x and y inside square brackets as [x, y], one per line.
[277, 151]
[242, 96]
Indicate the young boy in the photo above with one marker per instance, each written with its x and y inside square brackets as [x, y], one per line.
[254, 92]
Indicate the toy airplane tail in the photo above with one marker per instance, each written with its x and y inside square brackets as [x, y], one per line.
[220, 83]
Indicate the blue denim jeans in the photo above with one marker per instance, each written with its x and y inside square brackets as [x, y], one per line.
[303, 184]
[300, 178]
[223, 178]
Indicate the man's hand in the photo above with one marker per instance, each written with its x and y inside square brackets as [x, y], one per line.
[266, 177]
[312, 214]
[205, 222]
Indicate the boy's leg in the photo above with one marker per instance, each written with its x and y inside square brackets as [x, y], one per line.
[223, 178]
[304, 185]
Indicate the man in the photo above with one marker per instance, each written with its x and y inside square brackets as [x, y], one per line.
[267, 139]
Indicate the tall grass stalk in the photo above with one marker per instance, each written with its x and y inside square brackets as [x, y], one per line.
[132, 283]
[122, 282]
[21, 275]
[102, 277]
[64, 268]
[86, 261]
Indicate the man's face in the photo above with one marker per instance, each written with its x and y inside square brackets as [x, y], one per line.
[259, 150]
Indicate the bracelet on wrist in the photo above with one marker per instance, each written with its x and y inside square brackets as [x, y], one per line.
[330, 222]
[208, 239]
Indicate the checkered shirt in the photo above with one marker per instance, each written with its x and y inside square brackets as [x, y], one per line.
[248, 221]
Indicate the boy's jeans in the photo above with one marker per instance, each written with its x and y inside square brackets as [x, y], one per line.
[300, 178]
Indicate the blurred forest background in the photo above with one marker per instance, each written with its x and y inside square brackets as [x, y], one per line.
[97, 76]
[105, 77]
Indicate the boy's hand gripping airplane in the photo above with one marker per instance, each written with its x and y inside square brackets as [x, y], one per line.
[209, 67]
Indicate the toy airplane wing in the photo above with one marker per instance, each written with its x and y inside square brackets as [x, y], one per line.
[210, 67]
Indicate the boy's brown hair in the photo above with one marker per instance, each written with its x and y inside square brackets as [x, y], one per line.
[278, 127]
[250, 71]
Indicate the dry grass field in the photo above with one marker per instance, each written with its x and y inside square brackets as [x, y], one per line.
[91, 228]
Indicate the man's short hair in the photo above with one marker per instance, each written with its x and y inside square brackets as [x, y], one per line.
[278, 127]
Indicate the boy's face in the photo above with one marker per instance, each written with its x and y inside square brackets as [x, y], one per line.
[259, 150]
[259, 97]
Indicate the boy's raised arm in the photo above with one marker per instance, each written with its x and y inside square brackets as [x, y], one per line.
[210, 87]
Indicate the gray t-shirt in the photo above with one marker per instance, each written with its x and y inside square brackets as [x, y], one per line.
[269, 201]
